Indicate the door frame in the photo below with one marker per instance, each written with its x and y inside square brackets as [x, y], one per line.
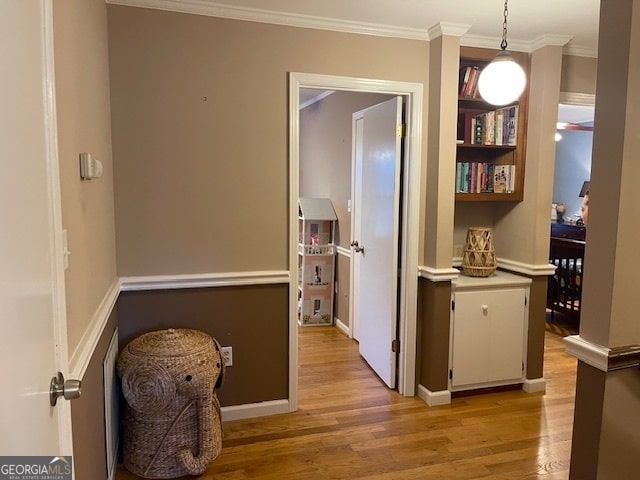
[409, 223]
[56, 231]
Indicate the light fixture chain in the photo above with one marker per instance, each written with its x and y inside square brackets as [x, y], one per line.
[503, 44]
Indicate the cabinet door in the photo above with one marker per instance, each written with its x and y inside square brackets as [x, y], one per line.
[488, 337]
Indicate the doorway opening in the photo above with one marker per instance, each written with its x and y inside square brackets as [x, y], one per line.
[409, 221]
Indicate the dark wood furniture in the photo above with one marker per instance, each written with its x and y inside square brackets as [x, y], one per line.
[498, 155]
[566, 252]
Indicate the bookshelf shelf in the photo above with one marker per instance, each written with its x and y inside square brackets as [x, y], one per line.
[491, 140]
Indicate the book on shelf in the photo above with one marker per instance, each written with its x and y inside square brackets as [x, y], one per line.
[484, 177]
[495, 127]
[469, 82]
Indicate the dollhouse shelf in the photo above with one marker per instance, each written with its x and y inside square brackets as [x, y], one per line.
[316, 261]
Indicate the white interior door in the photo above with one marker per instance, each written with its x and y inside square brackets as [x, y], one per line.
[376, 214]
[32, 290]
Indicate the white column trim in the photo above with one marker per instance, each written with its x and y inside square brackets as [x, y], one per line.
[534, 385]
[434, 399]
[591, 353]
[346, 252]
[438, 274]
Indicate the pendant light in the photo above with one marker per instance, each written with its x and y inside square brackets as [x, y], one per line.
[503, 80]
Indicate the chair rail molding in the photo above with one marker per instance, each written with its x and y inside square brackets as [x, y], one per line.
[199, 280]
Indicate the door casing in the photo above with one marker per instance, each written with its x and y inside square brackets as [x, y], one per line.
[410, 221]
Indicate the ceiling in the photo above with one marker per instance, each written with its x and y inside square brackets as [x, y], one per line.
[571, 23]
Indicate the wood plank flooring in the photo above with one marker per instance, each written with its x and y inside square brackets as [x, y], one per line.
[350, 426]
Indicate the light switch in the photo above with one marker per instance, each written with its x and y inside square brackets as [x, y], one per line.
[89, 167]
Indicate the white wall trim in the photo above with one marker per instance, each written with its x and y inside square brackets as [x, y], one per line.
[530, 269]
[252, 410]
[81, 356]
[201, 7]
[342, 327]
[198, 280]
[591, 353]
[434, 399]
[346, 252]
[438, 274]
[534, 385]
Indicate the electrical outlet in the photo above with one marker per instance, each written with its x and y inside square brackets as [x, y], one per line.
[227, 353]
[457, 250]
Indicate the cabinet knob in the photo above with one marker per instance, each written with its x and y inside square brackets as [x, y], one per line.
[485, 309]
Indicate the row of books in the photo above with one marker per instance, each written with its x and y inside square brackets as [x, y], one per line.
[497, 127]
[479, 177]
[469, 82]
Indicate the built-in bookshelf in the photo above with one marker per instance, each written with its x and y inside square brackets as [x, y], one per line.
[491, 140]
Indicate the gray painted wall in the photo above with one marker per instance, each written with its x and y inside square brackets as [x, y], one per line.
[572, 168]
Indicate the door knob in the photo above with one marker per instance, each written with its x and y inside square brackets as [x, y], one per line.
[69, 389]
[356, 247]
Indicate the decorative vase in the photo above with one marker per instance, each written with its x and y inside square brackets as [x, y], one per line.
[479, 258]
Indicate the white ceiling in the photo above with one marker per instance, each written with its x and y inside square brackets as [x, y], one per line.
[530, 21]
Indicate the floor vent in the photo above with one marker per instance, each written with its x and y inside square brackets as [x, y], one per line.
[111, 403]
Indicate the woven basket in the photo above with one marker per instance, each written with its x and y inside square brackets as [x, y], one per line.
[479, 258]
[172, 424]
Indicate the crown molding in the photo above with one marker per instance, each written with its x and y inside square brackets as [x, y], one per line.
[212, 9]
[550, 40]
[579, 51]
[480, 41]
[202, 7]
[447, 28]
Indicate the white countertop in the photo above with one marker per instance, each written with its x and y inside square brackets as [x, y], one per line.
[497, 279]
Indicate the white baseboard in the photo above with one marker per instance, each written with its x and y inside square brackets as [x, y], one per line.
[433, 399]
[532, 385]
[252, 410]
[342, 327]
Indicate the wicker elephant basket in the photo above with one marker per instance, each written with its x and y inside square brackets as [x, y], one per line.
[172, 424]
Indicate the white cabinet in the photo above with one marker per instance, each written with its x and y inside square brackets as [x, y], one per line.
[488, 331]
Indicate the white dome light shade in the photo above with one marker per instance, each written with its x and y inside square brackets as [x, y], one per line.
[502, 81]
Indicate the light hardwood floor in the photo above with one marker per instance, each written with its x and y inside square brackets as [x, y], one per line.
[350, 426]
